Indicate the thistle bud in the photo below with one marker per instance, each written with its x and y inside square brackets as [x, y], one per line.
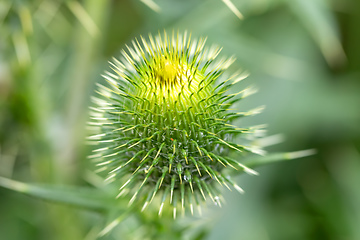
[164, 124]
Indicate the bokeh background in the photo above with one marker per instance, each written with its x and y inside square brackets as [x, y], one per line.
[303, 56]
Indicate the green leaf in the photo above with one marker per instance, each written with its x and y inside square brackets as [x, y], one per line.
[320, 21]
[277, 157]
[77, 196]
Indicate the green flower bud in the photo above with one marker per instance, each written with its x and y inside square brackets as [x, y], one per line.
[164, 124]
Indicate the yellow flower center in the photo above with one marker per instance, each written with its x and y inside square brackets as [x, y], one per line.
[167, 70]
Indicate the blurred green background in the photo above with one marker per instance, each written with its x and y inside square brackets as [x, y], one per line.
[303, 56]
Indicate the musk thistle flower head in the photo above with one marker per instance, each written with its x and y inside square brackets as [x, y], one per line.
[164, 124]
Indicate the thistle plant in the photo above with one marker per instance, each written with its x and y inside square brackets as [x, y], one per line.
[164, 123]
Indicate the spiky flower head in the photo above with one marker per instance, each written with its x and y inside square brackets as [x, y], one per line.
[164, 122]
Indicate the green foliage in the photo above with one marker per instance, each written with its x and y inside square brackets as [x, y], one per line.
[303, 56]
[80, 197]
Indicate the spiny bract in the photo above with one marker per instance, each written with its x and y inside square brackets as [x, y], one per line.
[165, 125]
